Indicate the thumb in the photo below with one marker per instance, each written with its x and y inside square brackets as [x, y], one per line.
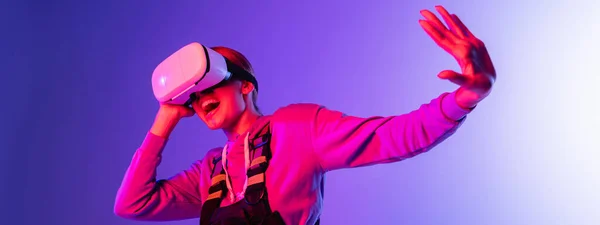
[187, 111]
[453, 77]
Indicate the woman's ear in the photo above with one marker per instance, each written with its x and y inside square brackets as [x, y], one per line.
[247, 87]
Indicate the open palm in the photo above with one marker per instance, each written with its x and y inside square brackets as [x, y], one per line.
[477, 71]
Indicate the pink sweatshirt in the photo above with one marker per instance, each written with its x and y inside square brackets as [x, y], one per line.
[308, 140]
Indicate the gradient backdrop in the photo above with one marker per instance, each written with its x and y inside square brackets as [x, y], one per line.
[77, 102]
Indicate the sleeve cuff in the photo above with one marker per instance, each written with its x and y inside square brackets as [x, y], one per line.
[451, 109]
[153, 143]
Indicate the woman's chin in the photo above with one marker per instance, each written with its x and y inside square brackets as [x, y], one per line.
[213, 127]
[214, 124]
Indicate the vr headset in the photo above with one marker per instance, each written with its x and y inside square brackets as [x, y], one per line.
[193, 68]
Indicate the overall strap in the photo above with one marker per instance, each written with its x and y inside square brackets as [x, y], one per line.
[218, 189]
[261, 156]
[216, 192]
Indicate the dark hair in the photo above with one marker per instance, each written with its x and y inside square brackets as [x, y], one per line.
[240, 60]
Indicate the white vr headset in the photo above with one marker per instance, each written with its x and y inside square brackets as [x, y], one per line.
[193, 68]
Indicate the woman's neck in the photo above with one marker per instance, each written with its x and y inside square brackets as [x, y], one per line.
[242, 125]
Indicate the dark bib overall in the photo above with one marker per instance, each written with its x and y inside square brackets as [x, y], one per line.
[254, 209]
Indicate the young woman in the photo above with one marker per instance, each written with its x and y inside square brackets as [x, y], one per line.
[307, 140]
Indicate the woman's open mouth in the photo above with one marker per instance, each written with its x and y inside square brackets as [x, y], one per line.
[210, 106]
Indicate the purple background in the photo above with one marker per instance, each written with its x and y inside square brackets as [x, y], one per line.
[77, 102]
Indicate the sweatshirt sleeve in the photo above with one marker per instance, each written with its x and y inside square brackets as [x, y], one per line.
[342, 141]
[142, 197]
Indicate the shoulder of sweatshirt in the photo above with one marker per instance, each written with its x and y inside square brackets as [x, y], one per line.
[297, 112]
